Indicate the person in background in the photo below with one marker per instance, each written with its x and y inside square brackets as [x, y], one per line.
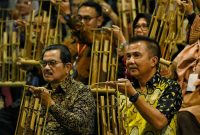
[187, 67]
[141, 24]
[90, 17]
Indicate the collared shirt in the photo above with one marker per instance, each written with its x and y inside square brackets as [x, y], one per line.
[82, 63]
[74, 112]
[161, 93]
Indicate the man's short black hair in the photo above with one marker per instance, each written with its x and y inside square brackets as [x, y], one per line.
[94, 5]
[151, 45]
[65, 54]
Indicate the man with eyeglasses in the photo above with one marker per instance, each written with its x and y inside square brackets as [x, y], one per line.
[90, 17]
[90, 14]
[71, 104]
[141, 24]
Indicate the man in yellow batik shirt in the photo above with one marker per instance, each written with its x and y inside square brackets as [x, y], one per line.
[153, 101]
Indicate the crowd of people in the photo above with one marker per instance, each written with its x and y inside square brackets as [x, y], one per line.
[153, 104]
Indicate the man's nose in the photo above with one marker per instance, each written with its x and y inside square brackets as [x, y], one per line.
[83, 20]
[131, 60]
[46, 66]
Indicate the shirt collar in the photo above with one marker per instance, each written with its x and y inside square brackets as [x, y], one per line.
[63, 86]
[151, 83]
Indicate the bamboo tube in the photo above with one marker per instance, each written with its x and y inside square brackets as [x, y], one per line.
[114, 116]
[165, 62]
[12, 84]
[108, 107]
[105, 56]
[103, 116]
[57, 21]
[95, 62]
[14, 56]
[24, 111]
[133, 9]
[103, 90]
[33, 117]
[38, 113]
[41, 31]
[155, 23]
[111, 53]
[113, 70]
[39, 129]
[5, 44]
[22, 61]
[124, 19]
[47, 36]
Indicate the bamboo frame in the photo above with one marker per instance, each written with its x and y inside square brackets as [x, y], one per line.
[103, 68]
[31, 120]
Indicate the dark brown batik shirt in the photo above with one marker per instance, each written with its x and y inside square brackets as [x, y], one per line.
[74, 112]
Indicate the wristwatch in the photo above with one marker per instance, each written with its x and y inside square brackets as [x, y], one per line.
[134, 98]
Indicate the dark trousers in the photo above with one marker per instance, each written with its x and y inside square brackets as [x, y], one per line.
[187, 124]
[8, 120]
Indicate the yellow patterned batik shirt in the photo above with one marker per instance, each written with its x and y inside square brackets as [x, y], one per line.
[161, 93]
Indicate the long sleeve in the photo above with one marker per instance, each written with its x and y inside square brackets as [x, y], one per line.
[74, 111]
[80, 116]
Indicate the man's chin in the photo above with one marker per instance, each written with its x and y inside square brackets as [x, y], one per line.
[48, 79]
[133, 73]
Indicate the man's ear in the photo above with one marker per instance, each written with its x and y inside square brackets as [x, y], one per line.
[154, 61]
[68, 67]
[100, 20]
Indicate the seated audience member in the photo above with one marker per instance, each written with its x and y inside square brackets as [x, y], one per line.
[153, 100]
[71, 104]
[186, 65]
[140, 28]
[141, 24]
[90, 16]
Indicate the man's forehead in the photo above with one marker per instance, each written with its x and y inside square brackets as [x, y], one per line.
[135, 46]
[88, 9]
[53, 52]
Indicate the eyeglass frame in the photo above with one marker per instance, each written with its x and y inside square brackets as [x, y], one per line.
[50, 63]
[86, 18]
[141, 26]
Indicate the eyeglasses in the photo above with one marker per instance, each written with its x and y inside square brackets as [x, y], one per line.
[51, 63]
[141, 26]
[85, 18]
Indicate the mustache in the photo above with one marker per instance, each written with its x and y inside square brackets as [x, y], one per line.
[47, 71]
[131, 66]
